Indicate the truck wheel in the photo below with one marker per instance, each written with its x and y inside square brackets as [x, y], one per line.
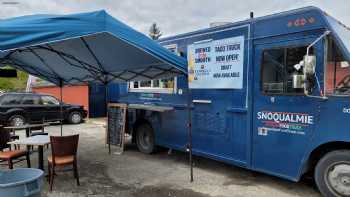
[17, 120]
[75, 117]
[145, 139]
[332, 174]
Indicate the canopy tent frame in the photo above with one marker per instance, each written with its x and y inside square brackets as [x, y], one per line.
[91, 69]
[84, 30]
[95, 73]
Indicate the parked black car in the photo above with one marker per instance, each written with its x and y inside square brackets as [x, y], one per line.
[20, 108]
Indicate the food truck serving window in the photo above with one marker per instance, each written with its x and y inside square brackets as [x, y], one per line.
[278, 68]
[337, 71]
[159, 85]
[156, 86]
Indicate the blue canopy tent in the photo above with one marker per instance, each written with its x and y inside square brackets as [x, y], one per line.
[83, 48]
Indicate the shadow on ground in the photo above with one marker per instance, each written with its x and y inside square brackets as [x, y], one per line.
[96, 182]
[159, 175]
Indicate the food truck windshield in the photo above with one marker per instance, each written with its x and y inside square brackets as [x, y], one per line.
[342, 31]
[338, 67]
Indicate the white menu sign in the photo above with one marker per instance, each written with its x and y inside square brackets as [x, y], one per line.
[216, 64]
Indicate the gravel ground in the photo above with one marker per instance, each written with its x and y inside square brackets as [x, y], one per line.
[158, 175]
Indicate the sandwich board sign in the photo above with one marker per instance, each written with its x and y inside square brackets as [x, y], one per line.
[116, 123]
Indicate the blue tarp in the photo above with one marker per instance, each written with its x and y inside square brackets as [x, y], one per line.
[82, 48]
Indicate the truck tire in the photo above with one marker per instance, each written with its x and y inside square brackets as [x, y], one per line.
[332, 173]
[145, 139]
[75, 117]
[16, 120]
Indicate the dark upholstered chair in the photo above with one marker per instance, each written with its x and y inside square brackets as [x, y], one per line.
[11, 156]
[64, 153]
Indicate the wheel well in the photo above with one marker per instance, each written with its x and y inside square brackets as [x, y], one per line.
[73, 110]
[21, 113]
[136, 125]
[322, 150]
[67, 114]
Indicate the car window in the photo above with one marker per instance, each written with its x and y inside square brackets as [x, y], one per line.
[11, 99]
[31, 100]
[49, 100]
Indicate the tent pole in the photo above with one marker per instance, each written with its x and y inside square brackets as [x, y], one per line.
[61, 106]
[189, 105]
[106, 100]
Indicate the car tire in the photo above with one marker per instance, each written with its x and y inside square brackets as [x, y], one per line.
[332, 174]
[145, 139]
[75, 117]
[17, 120]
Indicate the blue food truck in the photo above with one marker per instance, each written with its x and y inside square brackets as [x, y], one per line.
[269, 94]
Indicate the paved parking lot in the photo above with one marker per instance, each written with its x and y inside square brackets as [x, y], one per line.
[159, 175]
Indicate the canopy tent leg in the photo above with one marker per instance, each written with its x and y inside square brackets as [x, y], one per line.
[107, 100]
[189, 125]
[61, 106]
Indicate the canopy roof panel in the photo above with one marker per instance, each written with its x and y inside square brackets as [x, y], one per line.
[84, 48]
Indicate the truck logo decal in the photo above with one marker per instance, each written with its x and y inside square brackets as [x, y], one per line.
[285, 122]
[346, 110]
[299, 22]
[286, 117]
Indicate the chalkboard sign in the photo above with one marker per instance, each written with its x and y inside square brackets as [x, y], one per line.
[116, 118]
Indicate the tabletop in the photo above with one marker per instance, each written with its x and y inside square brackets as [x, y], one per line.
[38, 140]
[26, 126]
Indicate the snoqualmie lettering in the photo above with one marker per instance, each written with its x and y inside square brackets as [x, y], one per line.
[286, 117]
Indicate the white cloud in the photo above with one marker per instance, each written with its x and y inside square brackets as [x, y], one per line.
[173, 16]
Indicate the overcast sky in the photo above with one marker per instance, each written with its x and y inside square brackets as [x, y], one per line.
[172, 16]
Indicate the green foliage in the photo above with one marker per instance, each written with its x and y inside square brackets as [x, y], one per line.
[14, 84]
[154, 32]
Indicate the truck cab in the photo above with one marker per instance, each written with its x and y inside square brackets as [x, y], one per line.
[269, 94]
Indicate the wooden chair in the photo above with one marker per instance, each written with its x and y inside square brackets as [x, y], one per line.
[38, 130]
[64, 153]
[11, 156]
[14, 137]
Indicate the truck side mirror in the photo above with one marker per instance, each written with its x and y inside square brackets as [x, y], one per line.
[309, 69]
[309, 64]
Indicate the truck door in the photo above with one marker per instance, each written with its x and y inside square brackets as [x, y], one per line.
[283, 117]
[211, 126]
[219, 99]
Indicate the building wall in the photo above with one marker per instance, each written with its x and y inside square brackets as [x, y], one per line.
[78, 95]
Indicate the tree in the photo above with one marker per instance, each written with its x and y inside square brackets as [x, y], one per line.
[154, 32]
